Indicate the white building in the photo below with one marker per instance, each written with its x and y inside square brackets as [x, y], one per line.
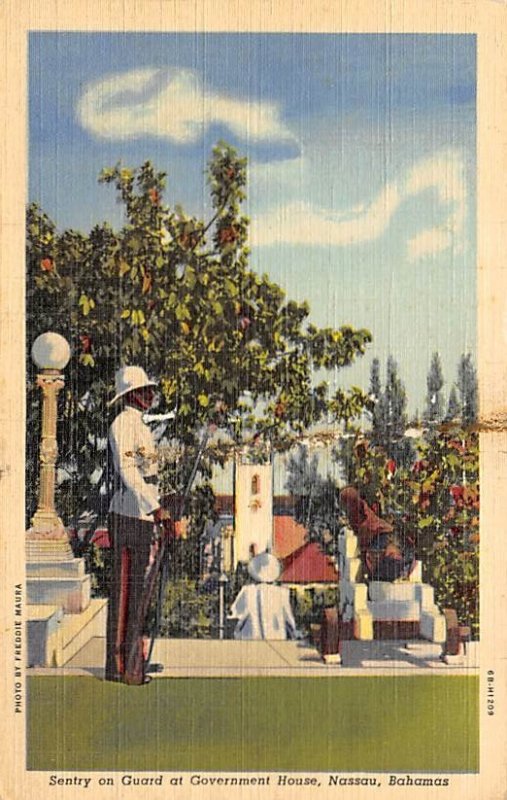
[253, 510]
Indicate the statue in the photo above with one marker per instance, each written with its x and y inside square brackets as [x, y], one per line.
[263, 609]
[386, 554]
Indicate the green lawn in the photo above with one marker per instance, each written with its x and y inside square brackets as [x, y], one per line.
[412, 723]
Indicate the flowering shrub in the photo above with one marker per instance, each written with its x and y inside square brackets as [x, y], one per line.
[189, 613]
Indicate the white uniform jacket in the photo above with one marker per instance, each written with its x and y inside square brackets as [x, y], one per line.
[135, 459]
[263, 611]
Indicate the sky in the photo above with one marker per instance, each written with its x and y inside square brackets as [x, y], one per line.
[361, 165]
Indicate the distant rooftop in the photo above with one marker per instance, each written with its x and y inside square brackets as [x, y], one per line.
[309, 564]
[288, 536]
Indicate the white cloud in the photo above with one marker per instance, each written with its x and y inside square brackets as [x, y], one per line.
[172, 104]
[299, 223]
[306, 224]
[428, 243]
[445, 174]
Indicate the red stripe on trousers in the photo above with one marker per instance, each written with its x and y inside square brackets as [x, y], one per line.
[123, 609]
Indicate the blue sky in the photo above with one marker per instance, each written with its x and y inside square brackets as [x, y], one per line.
[361, 154]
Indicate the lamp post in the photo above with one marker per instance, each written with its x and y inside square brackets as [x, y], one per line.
[51, 354]
[222, 583]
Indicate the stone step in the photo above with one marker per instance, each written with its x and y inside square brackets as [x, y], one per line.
[78, 629]
[54, 638]
[405, 591]
[70, 568]
[395, 610]
[44, 549]
[42, 628]
[433, 625]
[72, 593]
[383, 591]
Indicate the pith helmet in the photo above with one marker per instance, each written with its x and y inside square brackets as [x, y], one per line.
[129, 378]
[264, 568]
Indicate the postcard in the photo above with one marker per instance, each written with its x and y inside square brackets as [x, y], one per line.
[253, 421]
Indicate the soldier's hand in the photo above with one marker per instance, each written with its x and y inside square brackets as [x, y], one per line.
[172, 503]
[163, 518]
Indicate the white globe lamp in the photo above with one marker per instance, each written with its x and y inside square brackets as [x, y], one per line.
[50, 351]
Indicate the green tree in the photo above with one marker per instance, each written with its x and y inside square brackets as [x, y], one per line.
[174, 294]
[315, 496]
[375, 384]
[390, 416]
[435, 382]
[468, 389]
[453, 406]
[303, 481]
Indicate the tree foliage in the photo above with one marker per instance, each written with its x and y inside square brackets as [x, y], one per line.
[434, 382]
[468, 389]
[315, 496]
[174, 294]
[453, 406]
[302, 472]
[375, 383]
[390, 418]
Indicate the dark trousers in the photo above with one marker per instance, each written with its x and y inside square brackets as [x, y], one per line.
[130, 540]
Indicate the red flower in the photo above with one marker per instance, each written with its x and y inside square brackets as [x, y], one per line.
[227, 235]
[456, 445]
[391, 466]
[47, 265]
[279, 410]
[86, 342]
[457, 493]
[154, 196]
[419, 466]
[424, 500]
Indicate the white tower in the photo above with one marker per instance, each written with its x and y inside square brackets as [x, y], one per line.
[253, 510]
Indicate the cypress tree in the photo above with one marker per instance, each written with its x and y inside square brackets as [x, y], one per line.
[435, 381]
[375, 387]
[453, 406]
[390, 416]
[468, 389]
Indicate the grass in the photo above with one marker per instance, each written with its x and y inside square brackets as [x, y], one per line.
[395, 724]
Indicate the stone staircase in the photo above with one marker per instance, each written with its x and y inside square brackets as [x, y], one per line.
[385, 610]
[54, 637]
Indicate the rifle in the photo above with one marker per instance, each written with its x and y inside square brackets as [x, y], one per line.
[135, 660]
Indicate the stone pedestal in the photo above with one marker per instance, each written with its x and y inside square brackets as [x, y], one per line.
[72, 592]
[373, 606]
[54, 576]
